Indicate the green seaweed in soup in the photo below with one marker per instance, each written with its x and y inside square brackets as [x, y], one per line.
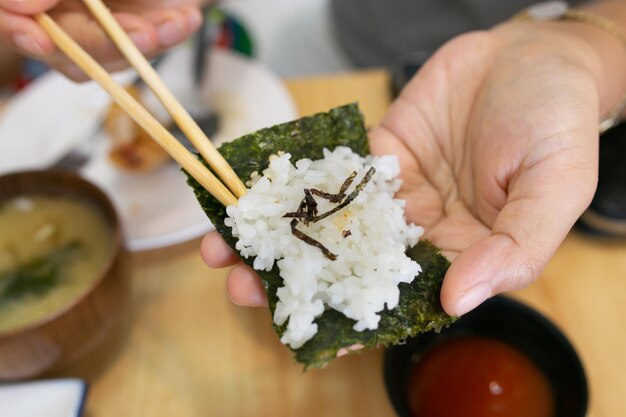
[51, 250]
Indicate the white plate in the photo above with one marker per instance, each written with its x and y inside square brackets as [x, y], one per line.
[157, 208]
[53, 398]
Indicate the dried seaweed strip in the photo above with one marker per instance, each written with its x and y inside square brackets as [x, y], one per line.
[347, 183]
[301, 212]
[333, 198]
[307, 210]
[336, 198]
[311, 205]
[366, 179]
[308, 239]
[296, 214]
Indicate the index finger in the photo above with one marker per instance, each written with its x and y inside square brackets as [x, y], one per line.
[27, 7]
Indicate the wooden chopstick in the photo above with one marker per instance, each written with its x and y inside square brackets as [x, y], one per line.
[182, 118]
[134, 109]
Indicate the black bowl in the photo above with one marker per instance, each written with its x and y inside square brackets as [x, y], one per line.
[511, 322]
[606, 215]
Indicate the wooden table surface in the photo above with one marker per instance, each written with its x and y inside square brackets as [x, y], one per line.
[187, 351]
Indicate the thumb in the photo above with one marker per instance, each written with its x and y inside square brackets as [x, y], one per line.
[544, 200]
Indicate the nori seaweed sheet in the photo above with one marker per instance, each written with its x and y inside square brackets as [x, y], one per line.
[419, 309]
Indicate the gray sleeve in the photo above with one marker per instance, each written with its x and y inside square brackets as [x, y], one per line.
[375, 32]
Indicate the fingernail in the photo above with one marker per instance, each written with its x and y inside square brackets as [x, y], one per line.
[472, 298]
[170, 33]
[342, 352]
[258, 299]
[194, 19]
[142, 41]
[27, 43]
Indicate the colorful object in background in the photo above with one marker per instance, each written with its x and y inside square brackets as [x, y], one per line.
[231, 33]
[30, 70]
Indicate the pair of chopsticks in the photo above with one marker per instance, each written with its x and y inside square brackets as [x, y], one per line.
[232, 188]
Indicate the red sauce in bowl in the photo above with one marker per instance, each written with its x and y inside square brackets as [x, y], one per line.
[478, 377]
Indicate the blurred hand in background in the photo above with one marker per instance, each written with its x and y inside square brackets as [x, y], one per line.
[153, 25]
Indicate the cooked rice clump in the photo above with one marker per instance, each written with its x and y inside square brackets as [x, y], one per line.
[369, 237]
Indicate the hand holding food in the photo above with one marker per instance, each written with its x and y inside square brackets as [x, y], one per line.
[497, 140]
[341, 267]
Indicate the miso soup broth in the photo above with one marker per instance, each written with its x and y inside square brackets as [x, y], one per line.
[51, 250]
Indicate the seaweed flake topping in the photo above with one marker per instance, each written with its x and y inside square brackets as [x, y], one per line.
[308, 213]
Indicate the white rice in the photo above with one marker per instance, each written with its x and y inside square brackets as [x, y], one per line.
[370, 261]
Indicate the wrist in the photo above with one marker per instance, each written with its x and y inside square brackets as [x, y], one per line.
[591, 48]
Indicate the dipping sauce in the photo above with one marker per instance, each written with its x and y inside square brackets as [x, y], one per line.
[51, 250]
[478, 377]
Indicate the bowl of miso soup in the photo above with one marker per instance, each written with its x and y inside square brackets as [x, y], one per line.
[63, 271]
